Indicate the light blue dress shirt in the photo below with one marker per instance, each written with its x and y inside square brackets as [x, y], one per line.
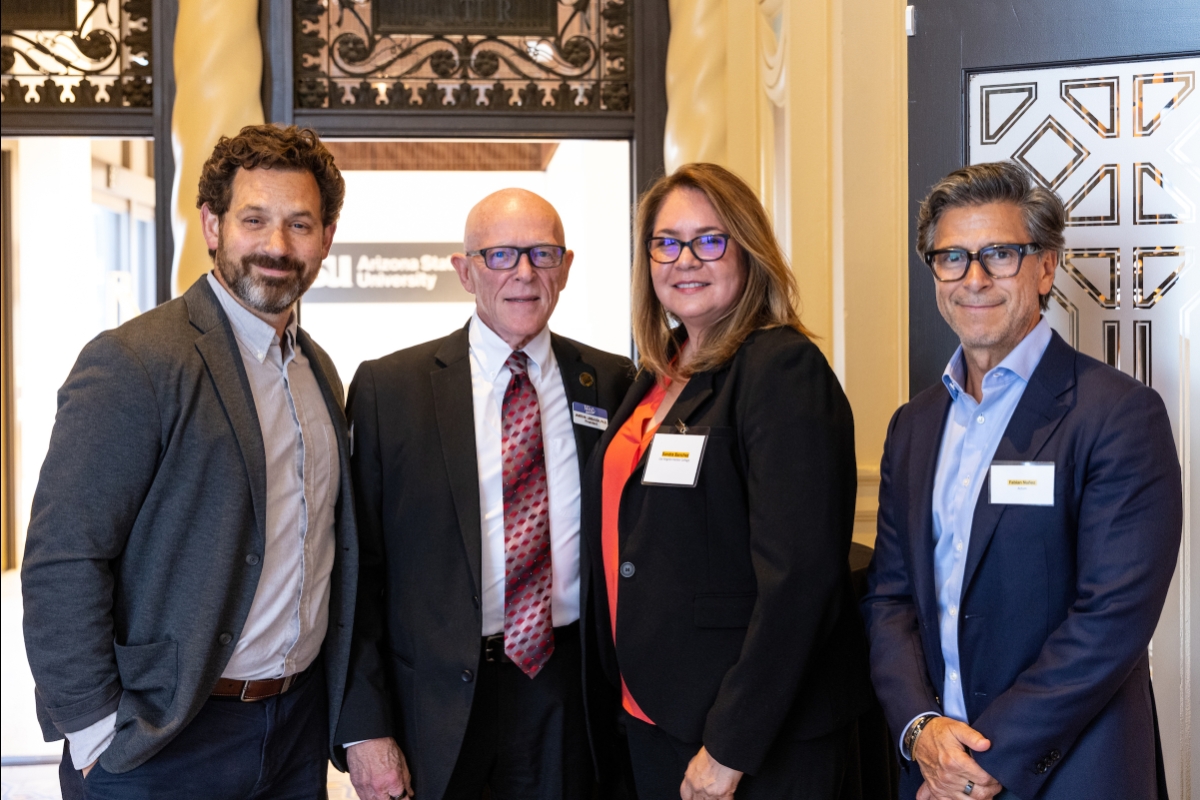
[972, 434]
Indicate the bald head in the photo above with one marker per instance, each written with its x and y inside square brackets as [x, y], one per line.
[516, 303]
[499, 210]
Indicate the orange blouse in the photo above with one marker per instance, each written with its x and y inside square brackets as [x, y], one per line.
[620, 460]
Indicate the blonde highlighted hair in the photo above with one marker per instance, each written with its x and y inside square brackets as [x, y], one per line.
[768, 299]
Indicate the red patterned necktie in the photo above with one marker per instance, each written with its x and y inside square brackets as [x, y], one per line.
[528, 628]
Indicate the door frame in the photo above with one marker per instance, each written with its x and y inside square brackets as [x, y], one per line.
[644, 128]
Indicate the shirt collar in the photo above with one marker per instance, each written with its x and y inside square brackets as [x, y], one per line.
[491, 351]
[1021, 362]
[249, 329]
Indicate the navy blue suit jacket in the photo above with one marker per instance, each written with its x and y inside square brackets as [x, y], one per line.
[1058, 603]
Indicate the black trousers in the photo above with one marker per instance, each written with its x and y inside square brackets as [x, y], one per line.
[276, 748]
[526, 738]
[813, 769]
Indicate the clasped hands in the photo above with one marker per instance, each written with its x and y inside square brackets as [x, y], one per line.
[378, 770]
[946, 765]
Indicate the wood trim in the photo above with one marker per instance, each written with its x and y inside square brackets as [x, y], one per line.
[166, 12]
[465, 124]
[76, 122]
[8, 544]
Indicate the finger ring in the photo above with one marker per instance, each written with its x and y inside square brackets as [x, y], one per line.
[970, 786]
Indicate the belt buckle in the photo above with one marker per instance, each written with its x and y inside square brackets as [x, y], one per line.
[242, 696]
[488, 654]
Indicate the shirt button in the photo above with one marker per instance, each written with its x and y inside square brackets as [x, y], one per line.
[252, 560]
[953, 675]
[953, 610]
[468, 676]
[966, 481]
[224, 638]
[627, 569]
[979, 419]
[958, 547]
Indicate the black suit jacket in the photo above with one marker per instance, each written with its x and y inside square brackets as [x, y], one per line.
[418, 626]
[1058, 602]
[738, 626]
[152, 497]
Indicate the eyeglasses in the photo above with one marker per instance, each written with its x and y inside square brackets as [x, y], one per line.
[542, 256]
[708, 247]
[998, 260]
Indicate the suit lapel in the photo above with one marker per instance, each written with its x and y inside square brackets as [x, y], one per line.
[453, 405]
[219, 349]
[1036, 417]
[925, 446]
[579, 383]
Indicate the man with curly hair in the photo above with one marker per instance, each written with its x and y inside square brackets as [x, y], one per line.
[190, 570]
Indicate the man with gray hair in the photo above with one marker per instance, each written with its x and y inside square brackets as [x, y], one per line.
[1030, 511]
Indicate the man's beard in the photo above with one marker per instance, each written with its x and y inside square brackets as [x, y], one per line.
[267, 294]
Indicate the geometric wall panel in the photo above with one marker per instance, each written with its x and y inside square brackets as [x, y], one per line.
[1062, 306]
[1107, 261]
[1142, 351]
[1131, 191]
[1098, 201]
[1169, 260]
[1112, 343]
[1051, 154]
[1165, 196]
[1001, 107]
[1157, 94]
[1097, 101]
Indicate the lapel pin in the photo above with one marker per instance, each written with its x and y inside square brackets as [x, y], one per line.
[586, 378]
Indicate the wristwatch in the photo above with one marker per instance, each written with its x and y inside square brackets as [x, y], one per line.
[914, 730]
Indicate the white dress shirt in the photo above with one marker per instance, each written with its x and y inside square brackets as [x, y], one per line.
[489, 380]
[286, 624]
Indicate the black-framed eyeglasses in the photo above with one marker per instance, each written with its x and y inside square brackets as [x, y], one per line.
[708, 247]
[998, 260]
[542, 256]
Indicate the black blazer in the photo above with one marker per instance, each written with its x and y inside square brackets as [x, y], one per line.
[138, 574]
[418, 626]
[1058, 602]
[738, 627]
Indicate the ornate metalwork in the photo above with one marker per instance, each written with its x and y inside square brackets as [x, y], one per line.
[342, 61]
[104, 62]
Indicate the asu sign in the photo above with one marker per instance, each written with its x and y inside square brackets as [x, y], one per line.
[389, 272]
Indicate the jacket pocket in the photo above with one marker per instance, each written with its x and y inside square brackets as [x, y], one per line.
[724, 610]
[149, 676]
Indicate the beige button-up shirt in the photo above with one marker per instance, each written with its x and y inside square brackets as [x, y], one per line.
[287, 621]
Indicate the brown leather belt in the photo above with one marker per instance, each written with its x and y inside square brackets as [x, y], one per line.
[252, 691]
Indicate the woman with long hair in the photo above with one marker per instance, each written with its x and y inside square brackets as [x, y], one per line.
[718, 512]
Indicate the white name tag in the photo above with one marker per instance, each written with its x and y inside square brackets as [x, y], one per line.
[589, 416]
[674, 459]
[1022, 484]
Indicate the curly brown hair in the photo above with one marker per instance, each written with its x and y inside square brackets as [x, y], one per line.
[271, 147]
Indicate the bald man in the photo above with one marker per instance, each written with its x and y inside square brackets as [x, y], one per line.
[466, 668]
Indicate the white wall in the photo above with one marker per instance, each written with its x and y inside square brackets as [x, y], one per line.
[58, 291]
[587, 181]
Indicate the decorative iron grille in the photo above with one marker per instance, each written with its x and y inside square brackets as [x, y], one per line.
[465, 55]
[103, 62]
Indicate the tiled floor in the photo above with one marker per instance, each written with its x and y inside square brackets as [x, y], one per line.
[19, 731]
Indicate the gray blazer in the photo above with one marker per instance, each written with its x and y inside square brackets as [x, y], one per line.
[136, 582]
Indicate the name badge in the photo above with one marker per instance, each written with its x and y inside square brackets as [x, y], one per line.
[674, 459]
[1029, 483]
[589, 416]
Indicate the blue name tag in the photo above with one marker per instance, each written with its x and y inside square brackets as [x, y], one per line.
[589, 416]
